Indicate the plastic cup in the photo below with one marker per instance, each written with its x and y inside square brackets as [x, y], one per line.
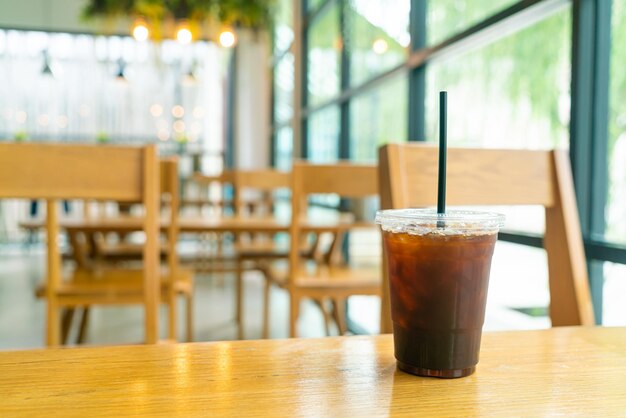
[438, 267]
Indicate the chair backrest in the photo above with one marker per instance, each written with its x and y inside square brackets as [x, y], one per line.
[60, 171]
[345, 179]
[225, 176]
[408, 178]
[265, 181]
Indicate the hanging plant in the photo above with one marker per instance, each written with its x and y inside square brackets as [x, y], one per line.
[254, 14]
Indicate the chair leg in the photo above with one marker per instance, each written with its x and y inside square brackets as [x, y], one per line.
[82, 333]
[219, 252]
[266, 308]
[239, 299]
[172, 316]
[339, 314]
[189, 306]
[327, 316]
[53, 325]
[66, 323]
[294, 312]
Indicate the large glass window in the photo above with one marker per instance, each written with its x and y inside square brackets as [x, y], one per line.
[283, 79]
[283, 26]
[514, 93]
[323, 135]
[616, 204]
[377, 117]
[511, 92]
[518, 295]
[377, 36]
[65, 87]
[283, 150]
[323, 145]
[614, 309]
[314, 4]
[446, 18]
[283, 88]
[324, 56]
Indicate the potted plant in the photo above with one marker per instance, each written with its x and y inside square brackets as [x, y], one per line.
[182, 140]
[102, 138]
[20, 136]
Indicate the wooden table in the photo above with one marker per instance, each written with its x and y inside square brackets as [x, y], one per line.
[337, 225]
[564, 371]
[200, 224]
[123, 224]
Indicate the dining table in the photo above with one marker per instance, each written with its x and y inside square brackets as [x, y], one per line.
[336, 224]
[200, 224]
[566, 371]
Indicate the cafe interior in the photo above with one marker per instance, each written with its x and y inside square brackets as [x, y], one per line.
[290, 207]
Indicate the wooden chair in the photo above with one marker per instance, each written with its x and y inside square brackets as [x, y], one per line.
[176, 280]
[250, 250]
[119, 284]
[53, 171]
[206, 182]
[329, 280]
[214, 260]
[229, 178]
[263, 181]
[105, 251]
[408, 178]
[211, 256]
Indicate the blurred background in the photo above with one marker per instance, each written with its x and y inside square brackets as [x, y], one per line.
[326, 80]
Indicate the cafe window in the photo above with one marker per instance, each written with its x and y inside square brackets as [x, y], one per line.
[376, 36]
[513, 93]
[514, 76]
[323, 146]
[283, 26]
[378, 116]
[323, 135]
[65, 87]
[283, 148]
[614, 291]
[313, 5]
[446, 18]
[323, 56]
[616, 198]
[283, 88]
[283, 85]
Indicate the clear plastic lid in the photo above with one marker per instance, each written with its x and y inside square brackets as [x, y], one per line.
[425, 221]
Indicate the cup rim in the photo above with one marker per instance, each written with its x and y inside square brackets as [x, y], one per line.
[471, 218]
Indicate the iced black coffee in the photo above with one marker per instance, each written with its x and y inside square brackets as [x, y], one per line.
[438, 268]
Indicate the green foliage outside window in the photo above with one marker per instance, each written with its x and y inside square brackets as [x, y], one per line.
[616, 202]
[527, 72]
[445, 18]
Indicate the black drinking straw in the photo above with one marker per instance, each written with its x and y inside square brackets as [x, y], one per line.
[441, 191]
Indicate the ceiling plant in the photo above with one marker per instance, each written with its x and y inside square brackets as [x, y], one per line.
[201, 17]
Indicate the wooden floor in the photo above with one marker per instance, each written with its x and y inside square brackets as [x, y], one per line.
[22, 315]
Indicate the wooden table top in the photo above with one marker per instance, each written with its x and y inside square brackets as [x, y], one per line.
[201, 224]
[564, 371]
